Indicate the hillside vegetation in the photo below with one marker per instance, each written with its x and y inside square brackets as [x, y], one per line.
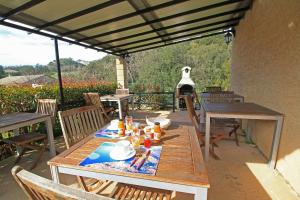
[153, 70]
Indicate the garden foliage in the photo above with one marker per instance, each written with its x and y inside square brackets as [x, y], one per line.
[23, 97]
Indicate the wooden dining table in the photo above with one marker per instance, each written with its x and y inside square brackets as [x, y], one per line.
[244, 111]
[181, 167]
[13, 121]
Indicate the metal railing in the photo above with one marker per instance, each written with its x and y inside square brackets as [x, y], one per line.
[155, 100]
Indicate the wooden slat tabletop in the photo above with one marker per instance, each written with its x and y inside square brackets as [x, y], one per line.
[238, 108]
[181, 159]
[20, 117]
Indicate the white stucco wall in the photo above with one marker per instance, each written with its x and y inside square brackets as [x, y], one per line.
[266, 70]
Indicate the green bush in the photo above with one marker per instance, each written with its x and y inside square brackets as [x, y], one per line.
[23, 98]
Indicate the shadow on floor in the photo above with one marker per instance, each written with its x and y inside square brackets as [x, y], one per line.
[237, 176]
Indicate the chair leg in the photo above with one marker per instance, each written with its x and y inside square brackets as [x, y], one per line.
[236, 138]
[213, 154]
[20, 155]
[234, 131]
[82, 183]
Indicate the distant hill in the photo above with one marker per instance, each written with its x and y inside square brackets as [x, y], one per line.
[29, 79]
[67, 65]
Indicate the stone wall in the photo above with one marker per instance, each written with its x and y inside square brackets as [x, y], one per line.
[266, 70]
[122, 77]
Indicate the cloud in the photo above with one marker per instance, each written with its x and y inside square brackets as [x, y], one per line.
[20, 48]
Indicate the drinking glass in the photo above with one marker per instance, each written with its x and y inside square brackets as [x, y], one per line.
[135, 141]
[129, 122]
[147, 142]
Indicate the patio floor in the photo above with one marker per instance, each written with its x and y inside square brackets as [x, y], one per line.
[241, 174]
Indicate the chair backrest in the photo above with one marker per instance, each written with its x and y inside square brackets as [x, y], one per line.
[213, 89]
[199, 128]
[78, 123]
[39, 188]
[220, 97]
[191, 110]
[47, 106]
[93, 99]
[122, 91]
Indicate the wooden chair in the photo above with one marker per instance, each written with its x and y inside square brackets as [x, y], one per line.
[200, 128]
[28, 140]
[226, 97]
[213, 89]
[125, 103]
[77, 124]
[39, 188]
[93, 98]
[47, 106]
[124, 191]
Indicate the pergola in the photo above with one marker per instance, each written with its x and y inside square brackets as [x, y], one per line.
[264, 59]
[122, 27]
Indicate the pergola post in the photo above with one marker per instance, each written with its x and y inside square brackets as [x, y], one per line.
[122, 78]
[61, 95]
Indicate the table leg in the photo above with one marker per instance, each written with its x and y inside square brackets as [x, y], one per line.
[120, 109]
[201, 194]
[50, 137]
[132, 104]
[54, 174]
[207, 136]
[249, 127]
[275, 142]
[19, 149]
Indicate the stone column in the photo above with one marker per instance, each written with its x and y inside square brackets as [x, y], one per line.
[122, 79]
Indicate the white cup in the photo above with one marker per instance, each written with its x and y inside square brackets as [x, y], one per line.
[123, 147]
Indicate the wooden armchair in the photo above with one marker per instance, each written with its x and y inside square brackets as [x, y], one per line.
[77, 124]
[125, 191]
[39, 188]
[226, 97]
[125, 103]
[27, 140]
[213, 89]
[93, 99]
[200, 128]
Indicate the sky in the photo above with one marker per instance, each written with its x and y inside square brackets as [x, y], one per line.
[20, 48]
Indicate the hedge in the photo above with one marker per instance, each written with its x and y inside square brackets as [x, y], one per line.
[22, 98]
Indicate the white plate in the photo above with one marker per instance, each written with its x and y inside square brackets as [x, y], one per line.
[164, 122]
[117, 156]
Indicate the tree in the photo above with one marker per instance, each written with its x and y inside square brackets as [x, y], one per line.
[209, 59]
[103, 69]
[2, 73]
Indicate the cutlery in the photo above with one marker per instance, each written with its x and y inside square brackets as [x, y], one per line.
[143, 159]
[134, 161]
